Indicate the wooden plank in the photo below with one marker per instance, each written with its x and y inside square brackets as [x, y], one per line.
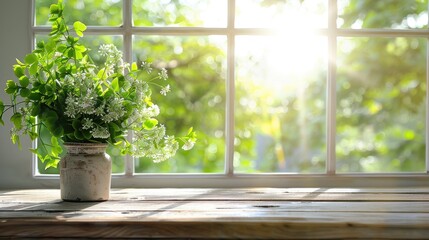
[257, 213]
[374, 219]
[195, 206]
[232, 194]
[208, 230]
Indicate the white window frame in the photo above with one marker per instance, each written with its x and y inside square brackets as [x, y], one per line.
[229, 178]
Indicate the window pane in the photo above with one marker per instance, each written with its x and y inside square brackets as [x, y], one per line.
[91, 42]
[282, 14]
[196, 68]
[90, 12]
[182, 13]
[381, 104]
[396, 14]
[280, 104]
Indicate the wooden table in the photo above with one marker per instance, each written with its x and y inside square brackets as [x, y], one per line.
[251, 213]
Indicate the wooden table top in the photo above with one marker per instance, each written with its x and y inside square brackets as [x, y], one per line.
[246, 213]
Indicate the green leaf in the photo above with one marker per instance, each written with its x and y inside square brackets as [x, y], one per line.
[54, 9]
[11, 87]
[24, 81]
[33, 150]
[15, 139]
[33, 135]
[42, 156]
[57, 149]
[115, 85]
[41, 44]
[33, 69]
[35, 96]
[148, 101]
[16, 119]
[52, 162]
[57, 130]
[71, 53]
[19, 62]
[18, 70]
[35, 109]
[72, 40]
[79, 55]
[30, 58]
[61, 48]
[150, 123]
[191, 129]
[80, 48]
[134, 66]
[50, 119]
[78, 135]
[87, 135]
[76, 124]
[50, 46]
[114, 126]
[79, 28]
[24, 92]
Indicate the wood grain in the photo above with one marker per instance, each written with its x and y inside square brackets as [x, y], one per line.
[256, 213]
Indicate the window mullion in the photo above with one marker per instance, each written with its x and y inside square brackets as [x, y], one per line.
[128, 40]
[331, 88]
[230, 89]
[427, 103]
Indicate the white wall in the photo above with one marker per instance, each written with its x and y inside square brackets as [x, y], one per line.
[15, 164]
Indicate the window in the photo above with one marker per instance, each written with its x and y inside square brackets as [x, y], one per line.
[312, 93]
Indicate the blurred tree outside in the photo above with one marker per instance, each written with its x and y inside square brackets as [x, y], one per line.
[381, 88]
[280, 85]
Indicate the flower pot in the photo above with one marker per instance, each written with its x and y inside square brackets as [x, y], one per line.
[85, 172]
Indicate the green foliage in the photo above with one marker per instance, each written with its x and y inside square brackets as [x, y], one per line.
[75, 100]
[79, 28]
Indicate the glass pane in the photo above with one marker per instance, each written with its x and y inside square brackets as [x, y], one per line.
[196, 68]
[91, 42]
[396, 14]
[90, 12]
[282, 14]
[381, 104]
[181, 13]
[280, 104]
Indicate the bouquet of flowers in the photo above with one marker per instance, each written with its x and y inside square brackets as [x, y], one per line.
[59, 88]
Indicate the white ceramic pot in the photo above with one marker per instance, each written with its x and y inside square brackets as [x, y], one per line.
[85, 172]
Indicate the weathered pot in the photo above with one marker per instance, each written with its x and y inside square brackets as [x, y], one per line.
[85, 172]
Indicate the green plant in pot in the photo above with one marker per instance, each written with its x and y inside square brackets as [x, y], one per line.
[86, 107]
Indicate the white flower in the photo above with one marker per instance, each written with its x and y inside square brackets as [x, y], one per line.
[154, 144]
[115, 110]
[114, 58]
[165, 90]
[188, 145]
[87, 103]
[99, 111]
[146, 66]
[69, 81]
[149, 112]
[163, 74]
[105, 50]
[87, 123]
[57, 54]
[100, 132]
[122, 66]
[71, 110]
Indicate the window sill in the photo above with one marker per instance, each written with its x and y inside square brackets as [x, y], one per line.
[264, 213]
